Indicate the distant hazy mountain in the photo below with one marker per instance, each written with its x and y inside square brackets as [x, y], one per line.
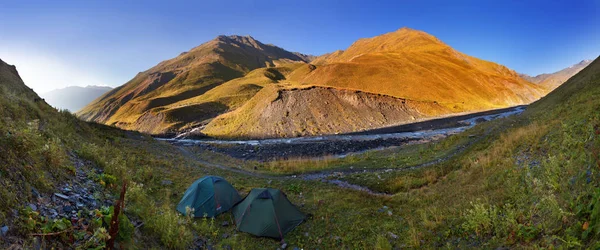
[553, 80]
[74, 98]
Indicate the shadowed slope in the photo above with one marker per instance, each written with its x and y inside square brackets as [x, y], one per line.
[199, 110]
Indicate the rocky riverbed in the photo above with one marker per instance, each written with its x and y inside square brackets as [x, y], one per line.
[344, 144]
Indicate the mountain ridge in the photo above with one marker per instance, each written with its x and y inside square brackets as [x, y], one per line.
[418, 62]
[222, 85]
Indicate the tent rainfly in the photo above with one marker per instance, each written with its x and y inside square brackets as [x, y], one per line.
[267, 212]
[208, 197]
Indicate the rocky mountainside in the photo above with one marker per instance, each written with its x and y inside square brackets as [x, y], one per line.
[316, 111]
[553, 80]
[235, 86]
[74, 98]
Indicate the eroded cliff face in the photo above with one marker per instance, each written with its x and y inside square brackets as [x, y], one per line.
[318, 110]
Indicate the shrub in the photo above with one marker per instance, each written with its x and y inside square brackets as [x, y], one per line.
[382, 243]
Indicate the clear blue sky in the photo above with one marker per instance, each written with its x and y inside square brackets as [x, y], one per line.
[59, 43]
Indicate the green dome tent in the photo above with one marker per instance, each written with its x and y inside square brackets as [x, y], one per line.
[209, 196]
[267, 212]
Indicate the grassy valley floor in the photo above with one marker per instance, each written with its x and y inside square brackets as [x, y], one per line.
[528, 181]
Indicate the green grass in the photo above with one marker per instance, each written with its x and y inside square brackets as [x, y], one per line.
[392, 158]
[531, 183]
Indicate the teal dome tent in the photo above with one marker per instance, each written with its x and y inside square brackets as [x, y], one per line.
[209, 196]
[267, 212]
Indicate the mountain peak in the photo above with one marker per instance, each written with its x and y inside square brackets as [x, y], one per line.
[408, 30]
[412, 35]
[402, 40]
[235, 37]
[240, 40]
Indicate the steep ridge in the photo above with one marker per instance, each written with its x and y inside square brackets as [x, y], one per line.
[186, 76]
[11, 82]
[553, 80]
[414, 65]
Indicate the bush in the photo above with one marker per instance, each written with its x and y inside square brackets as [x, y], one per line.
[382, 243]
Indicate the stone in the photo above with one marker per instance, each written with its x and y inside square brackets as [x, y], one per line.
[199, 243]
[35, 192]
[67, 209]
[53, 213]
[225, 235]
[394, 236]
[33, 206]
[37, 245]
[62, 196]
[283, 246]
[4, 230]
[167, 182]
[225, 223]
[73, 198]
